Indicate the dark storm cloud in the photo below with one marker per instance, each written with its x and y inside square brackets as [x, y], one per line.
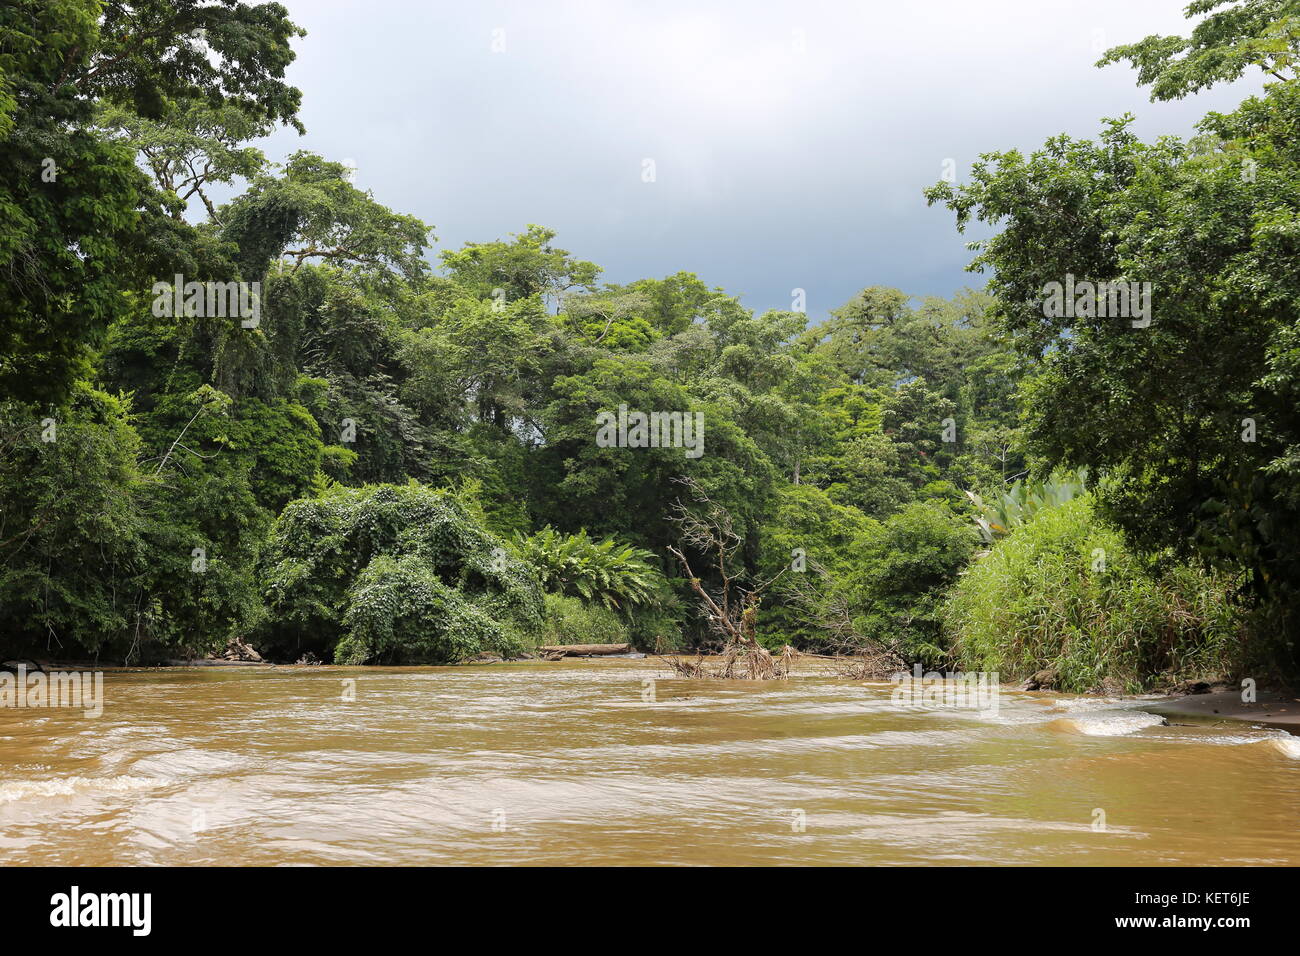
[791, 141]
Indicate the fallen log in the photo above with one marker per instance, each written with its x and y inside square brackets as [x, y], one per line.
[582, 650]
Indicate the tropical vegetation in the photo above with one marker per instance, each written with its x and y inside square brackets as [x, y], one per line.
[394, 459]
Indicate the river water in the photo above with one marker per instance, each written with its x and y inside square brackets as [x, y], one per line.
[588, 762]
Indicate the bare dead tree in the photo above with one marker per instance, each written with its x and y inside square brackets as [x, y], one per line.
[732, 610]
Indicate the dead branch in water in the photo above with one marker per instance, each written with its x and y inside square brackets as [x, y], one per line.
[733, 611]
[735, 663]
[692, 670]
[873, 664]
[853, 654]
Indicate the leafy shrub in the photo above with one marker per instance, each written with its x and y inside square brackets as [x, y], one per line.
[617, 576]
[897, 592]
[1016, 505]
[610, 577]
[401, 612]
[571, 620]
[393, 574]
[1064, 591]
[810, 541]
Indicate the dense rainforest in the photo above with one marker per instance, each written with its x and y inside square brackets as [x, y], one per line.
[278, 420]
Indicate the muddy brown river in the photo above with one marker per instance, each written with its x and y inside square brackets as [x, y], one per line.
[616, 762]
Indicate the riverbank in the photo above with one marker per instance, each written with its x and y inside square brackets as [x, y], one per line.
[1270, 709]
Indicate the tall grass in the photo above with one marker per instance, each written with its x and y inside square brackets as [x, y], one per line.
[1064, 591]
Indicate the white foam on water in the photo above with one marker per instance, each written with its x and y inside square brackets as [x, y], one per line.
[1288, 746]
[1116, 724]
[16, 790]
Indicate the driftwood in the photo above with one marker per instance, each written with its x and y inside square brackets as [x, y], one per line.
[579, 650]
[735, 663]
[870, 664]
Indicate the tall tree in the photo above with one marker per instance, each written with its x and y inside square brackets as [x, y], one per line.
[71, 236]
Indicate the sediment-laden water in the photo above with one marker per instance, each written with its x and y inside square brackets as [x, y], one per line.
[584, 762]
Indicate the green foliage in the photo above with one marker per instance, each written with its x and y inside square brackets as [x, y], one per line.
[930, 405]
[1236, 36]
[571, 620]
[1064, 591]
[630, 493]
[79, 223]
[311, 211]
[205, 531]
[192, 147]
[658, 626]
[1016, 505]
[617, 576]
[71, 528]
[1194, 416]
[812, 543]
[673, 304]
[98, 556]
[148, 53]
[283, 442]
[149, 528]
[610, 582]
[526, 267]
[395, 574]
[895, 593]
[400, 611]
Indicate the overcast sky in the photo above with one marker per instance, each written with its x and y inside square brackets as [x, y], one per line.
[791, 140]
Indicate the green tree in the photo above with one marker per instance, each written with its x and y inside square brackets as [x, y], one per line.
[392, 574]
[79, 222]
[1235, 36]
[1191, 406]
[192, 147]
[311, 211]
[525, 267]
